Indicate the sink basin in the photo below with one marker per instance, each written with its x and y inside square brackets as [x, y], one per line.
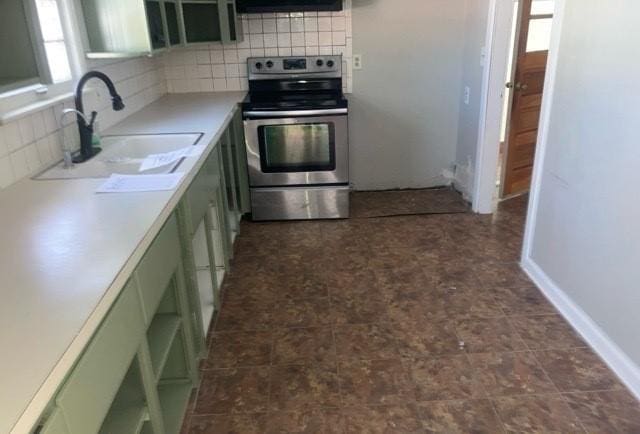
[123, 155]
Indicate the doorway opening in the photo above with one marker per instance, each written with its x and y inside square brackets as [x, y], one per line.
[529, 43]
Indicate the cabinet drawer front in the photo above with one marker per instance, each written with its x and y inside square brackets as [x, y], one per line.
[88, 393]
[55, 424]
[157, 267]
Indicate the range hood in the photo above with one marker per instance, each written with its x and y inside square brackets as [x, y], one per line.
[258, 6]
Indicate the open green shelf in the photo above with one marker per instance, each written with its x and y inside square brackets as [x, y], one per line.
[174, 399]
[128, 411]
[128, 420]
[161, 334]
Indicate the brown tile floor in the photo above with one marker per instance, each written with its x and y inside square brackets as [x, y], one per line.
[397, 325]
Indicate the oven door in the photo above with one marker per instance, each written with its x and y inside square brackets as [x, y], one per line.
[296, 149]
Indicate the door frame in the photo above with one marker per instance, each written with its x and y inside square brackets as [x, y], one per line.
[499, 27]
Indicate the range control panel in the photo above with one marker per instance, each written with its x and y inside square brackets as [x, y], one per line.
[276, 66]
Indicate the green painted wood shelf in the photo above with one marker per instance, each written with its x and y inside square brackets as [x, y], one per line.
[174, 398]
[161, 335]
[127, 420]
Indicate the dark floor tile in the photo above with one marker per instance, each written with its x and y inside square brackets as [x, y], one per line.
[227, 424]
[304, 346]
[455, 273]
[366, 341]
[257, 246]
[444, 378]
[489, 335]
[240, 390]
[442, 304]
[502, 275]
[541, 332]
[347, 282]
[459, 417]
[302, 313]
[385, 259]
[576, 370]
[237, 349]
[382, 419]
[407, 287]
[374, 382]
[523, 301]
[303, 387]
[606, 412]
[237, 316]
[410, 304]
[537, 414]
[503, 374]
[362, 306]
[416, 339]
[299, 278]
[318, 421]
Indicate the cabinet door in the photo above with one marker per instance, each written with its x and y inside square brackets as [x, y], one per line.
[129, 17]
[211, 21]
[231, 23]
[156, 24]
[201, 21]
[173, 22]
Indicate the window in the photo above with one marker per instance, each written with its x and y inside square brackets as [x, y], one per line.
[32, 44]
[53, 40]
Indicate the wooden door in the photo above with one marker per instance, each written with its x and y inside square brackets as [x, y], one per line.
[536, 18]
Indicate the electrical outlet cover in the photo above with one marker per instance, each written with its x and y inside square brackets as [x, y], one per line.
[357, 61]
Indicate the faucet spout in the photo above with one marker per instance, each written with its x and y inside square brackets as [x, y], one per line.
[85, 127]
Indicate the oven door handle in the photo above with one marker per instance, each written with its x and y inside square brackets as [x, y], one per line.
[295, 113]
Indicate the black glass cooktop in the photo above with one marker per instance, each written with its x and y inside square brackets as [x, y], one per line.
[299, 102]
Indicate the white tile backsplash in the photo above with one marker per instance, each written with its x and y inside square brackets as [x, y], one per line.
[34, 142]
[282, 34]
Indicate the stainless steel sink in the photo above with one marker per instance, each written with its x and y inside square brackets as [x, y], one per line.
[123, 155]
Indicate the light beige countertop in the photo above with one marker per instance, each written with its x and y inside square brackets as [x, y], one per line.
[66, 253]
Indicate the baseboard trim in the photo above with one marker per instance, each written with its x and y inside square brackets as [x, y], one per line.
[611, 353]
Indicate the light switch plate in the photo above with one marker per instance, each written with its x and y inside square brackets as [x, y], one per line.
[357, 61]
[467, 95]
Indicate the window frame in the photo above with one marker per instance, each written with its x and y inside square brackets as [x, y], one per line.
[40, 91]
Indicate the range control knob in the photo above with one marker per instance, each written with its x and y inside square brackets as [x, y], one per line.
[258, 65]
[269, 64]
[319, 62]
[330, 63]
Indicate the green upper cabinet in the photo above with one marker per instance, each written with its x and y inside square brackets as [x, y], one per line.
[232, 25]
[127, 28]
[172, 16]
[210, 21]
[122, 28]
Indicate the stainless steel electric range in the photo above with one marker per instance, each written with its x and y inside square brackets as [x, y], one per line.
[296, 129]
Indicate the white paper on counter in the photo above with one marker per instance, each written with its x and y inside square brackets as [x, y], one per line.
[158, 160]
[154, 161]
[139, 183]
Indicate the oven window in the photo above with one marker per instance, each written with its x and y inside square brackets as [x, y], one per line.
[297, 147]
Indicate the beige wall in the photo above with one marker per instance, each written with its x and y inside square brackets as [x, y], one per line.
[586, 237]
[477, 12]
[406, 100]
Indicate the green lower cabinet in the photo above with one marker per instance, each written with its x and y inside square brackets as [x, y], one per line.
[139, 369]
[54, 424]
[88, 394]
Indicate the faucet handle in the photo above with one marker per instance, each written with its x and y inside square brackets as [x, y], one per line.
[92, 119]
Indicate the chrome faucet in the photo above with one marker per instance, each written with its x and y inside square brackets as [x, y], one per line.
[85, 126]
[66, 150]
